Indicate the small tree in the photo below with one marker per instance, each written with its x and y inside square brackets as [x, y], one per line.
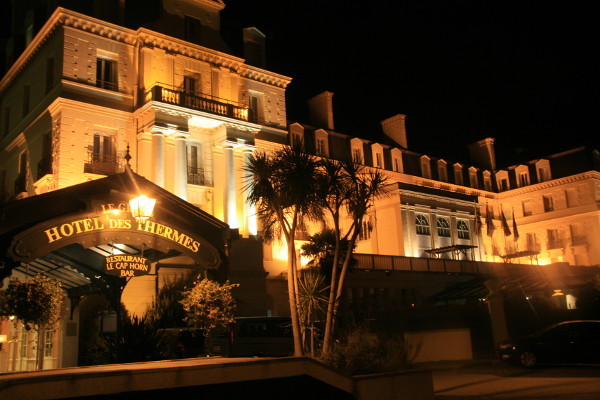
[36, 303]
[209, 306]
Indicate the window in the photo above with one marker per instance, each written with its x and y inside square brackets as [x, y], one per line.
[473, 178]
[102, 156]
[527, 208]
[578, 235]
[523, 179]
[49, 337]
[543, 170]
[425, 167]
[553, 239]
[195, 175]
[458, 174]
[45, 164]
[442, 171]
[462, 228]
[255, 108]
[396, 165]
[396, 160]
[189, 84]
[320, 147]
[378, 160]
[106, 73]
[356, 156]
[21, 181]
[192, 29]
[422, 224]
[532, 243]
[365, 230]
[321, 143]
[49, 74]
[502, 181]
[548, 203]
[443, 227]
[487, 181]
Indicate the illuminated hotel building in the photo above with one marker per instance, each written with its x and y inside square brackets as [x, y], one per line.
[85, 93]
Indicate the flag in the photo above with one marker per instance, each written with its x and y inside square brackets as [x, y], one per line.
[505, 226]
[488, 221]
[515, 231]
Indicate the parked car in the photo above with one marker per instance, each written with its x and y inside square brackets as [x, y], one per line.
[569, 342]
[255, 337]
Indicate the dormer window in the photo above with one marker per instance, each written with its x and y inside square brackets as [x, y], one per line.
[296, 135]
[522, 173]
[473, 178]
[442, 171]
[397, 160]
[542, 168]
[425, 167]
[321, 143]
[377, 155]
[458, 174]
[487, 181]
[502, 181]
[356, 146]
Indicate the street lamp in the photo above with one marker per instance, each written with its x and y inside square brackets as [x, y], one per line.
[142, 207]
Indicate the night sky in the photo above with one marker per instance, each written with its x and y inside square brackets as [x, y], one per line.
[525, 74]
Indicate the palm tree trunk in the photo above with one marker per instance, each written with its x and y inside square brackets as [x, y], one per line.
[293, 298]
[329, 320]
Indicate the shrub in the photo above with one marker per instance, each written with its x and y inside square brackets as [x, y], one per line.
[362, 352]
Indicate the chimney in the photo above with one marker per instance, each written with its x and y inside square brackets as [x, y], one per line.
[482, 153]
[320, 109]
[395, 128]
[254, 47]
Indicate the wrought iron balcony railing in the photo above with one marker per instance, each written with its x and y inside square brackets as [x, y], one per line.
[195, 176]
[196, 101]
[103, 164]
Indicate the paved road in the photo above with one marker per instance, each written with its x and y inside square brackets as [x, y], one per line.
[494, 380]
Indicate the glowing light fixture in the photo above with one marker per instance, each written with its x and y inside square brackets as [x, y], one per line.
[142, 207]
[558, 292]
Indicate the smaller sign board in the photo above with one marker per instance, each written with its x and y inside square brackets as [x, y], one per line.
[126, 265]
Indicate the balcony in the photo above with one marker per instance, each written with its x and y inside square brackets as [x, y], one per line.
[103, 164]
[195, 176]
[196, 101]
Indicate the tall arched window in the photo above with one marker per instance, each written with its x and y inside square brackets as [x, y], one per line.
[462, 227]
[422, 224]
[443, 227]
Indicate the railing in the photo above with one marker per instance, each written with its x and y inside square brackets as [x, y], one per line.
[374, 262]
[195, 176]
[195, 101]
[103, 164]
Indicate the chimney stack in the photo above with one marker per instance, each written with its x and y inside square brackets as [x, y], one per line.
[482, 153]
[395, 128]
[320, 109]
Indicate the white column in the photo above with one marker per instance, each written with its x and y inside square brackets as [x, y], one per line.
[249, 209]
[230, 199]
[158, 158]
[180, 167]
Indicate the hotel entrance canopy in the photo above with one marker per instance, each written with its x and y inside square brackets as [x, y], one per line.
[68, 233]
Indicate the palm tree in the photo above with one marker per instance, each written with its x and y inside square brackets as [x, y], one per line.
[346, 187]
[283, 187]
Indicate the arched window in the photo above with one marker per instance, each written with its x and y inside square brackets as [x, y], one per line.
[462, 227]
[422, 224]
[443, 227]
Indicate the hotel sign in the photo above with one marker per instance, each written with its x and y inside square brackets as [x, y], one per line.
[126, 265]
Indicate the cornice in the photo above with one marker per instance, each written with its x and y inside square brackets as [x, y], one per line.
[436, 198]
[593, 175]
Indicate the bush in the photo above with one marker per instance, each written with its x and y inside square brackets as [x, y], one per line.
[362, 352]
